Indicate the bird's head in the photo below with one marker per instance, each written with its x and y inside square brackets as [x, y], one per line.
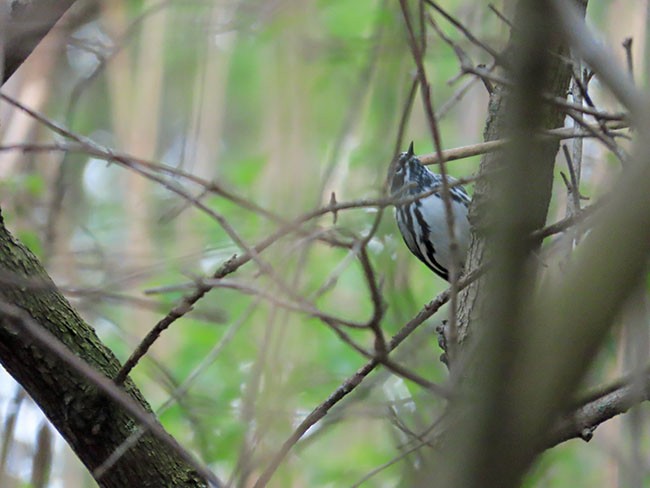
[404, 170]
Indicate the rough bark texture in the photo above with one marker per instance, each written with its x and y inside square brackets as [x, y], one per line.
[91, 423]
[557, 80]
[26, 22]
[495, 437]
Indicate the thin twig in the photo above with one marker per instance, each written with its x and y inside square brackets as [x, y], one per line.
[388, 464]
[178, 392]
[184, 306]
[560, 102]
[406, 112]
[355, 380]
[627, 45]
[425, 91]
[50, 342]
[491, 146]
[502, 17]
[460, 53]
[574, 187]
[467, 33]
[302, 306]
[567, 222]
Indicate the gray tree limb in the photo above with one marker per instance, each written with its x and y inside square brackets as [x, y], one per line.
[94, 424]
[25, 24]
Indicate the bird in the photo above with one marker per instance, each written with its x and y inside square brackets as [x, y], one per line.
[423, 222]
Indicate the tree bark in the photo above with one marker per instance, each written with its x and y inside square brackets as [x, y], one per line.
[488, 445]
[25, 24]
[538, 190]
[93, 424]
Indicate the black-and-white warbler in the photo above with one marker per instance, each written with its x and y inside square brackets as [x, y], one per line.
[423, 221]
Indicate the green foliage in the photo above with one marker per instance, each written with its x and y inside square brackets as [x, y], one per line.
[280, 103]
[32, 241]
[347, 20]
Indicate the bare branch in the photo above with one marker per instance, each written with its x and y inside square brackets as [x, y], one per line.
[355, 380]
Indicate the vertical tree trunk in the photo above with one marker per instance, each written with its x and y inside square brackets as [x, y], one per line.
[557, 77]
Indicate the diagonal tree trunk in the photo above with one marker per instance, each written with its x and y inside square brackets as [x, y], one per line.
[33, 311]
[23, 25]
[91, 422]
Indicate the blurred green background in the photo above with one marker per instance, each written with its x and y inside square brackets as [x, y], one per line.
[281, 102]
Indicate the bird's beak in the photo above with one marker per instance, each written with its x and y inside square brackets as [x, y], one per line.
[410, 152]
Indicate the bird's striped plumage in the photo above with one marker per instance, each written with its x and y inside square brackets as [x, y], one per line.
[422, 222]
